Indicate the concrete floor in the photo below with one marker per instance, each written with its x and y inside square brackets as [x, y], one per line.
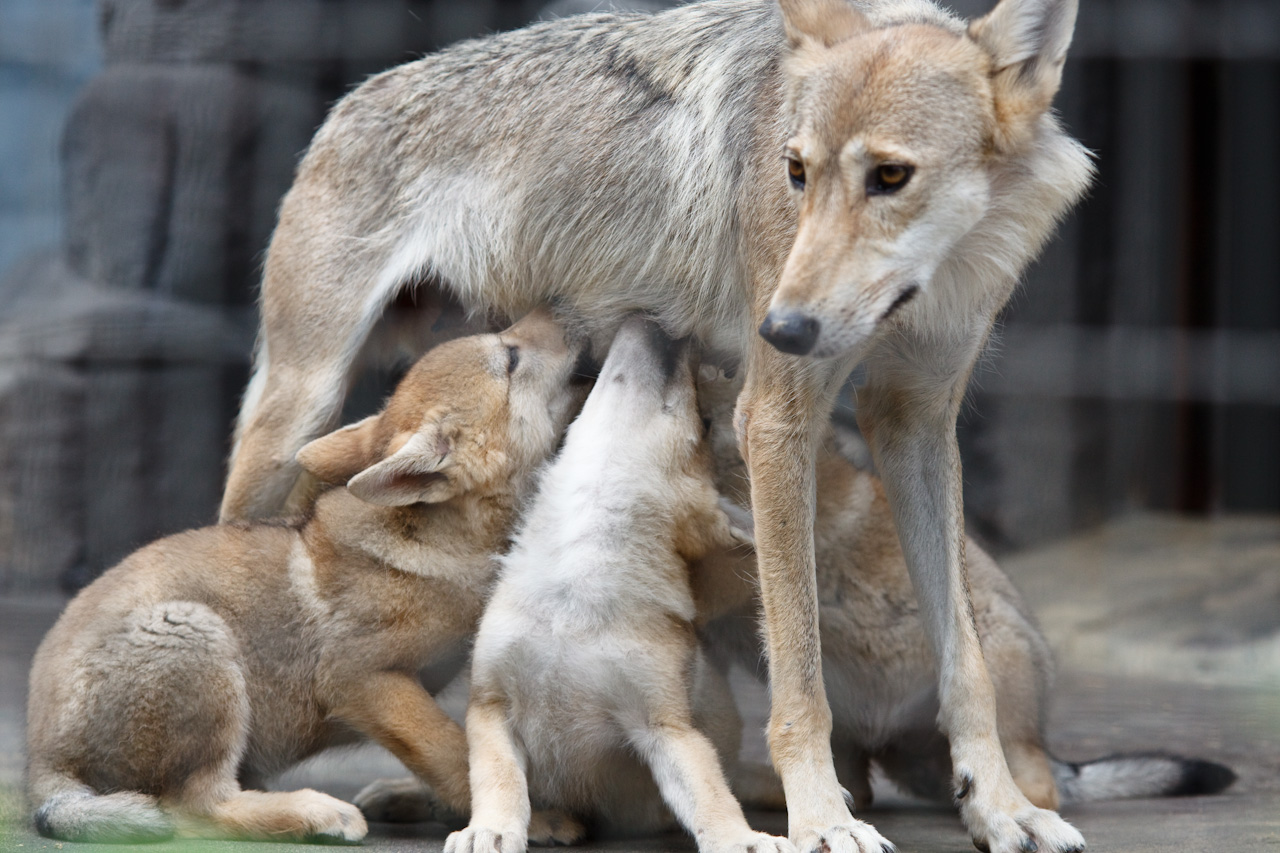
[1167, 633]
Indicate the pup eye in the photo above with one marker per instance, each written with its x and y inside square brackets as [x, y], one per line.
[513, 359]
[888, 178]
[795, 171]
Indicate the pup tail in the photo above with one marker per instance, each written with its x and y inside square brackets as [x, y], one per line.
[79, 814]
[1139, 775]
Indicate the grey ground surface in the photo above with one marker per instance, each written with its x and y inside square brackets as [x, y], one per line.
[1167, 633]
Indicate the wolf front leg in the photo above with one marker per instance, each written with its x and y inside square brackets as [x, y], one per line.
[782, 406]
[907, 412]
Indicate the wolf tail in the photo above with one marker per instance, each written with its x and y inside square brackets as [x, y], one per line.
[76, 813]
[1139, 775]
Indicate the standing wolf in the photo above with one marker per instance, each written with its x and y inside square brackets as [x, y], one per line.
[859, 183]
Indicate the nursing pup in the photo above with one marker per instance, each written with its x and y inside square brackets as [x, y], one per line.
[586, 657]
[210, 660]
[856, 182]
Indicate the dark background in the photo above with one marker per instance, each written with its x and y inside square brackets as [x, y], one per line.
[145, 144]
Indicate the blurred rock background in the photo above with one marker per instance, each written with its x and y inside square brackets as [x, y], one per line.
[145, 144]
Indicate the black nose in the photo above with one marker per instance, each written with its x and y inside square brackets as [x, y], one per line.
[791, 332]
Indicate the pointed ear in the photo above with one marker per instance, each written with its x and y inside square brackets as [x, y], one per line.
[340, 455]
[1027, 41]
[416, 473]
[823, 22]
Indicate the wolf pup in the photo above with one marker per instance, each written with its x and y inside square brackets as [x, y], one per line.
[877, 666]
[855, 181]
[582, 673]
[215, 658]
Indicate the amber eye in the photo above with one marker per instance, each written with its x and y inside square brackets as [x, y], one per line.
[888, 178]
[795, 171]
[513, 359]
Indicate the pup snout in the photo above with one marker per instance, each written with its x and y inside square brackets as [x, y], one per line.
[642, 349]
[791, 332]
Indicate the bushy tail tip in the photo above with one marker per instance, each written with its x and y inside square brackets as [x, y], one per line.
[1140, 775]
[123, 818]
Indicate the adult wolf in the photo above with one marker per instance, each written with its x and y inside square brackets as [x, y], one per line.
[859, 183]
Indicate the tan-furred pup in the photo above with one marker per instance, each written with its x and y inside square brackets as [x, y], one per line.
[210, 660]
[586, 668]
[803, 185]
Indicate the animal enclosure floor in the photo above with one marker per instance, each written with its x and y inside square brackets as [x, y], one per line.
[1167, 633]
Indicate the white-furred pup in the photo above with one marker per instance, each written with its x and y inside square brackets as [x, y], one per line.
[586, 659]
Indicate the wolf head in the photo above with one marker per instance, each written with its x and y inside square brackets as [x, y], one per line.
[903, 139]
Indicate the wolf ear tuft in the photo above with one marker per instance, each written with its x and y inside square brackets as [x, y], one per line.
[1027, 41]
[416, 473]
[823, 22]
[337, 457]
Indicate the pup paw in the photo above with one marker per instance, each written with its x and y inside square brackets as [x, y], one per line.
[552, 829]
[475, 839]
[331, 821]
[405, 800]
[757, 842]
[1017, 826]
[855, 837]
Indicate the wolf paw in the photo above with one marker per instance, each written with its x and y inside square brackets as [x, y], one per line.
[1026, 830]
[405, 800]
[553, 829]
[855, 837]
[475, 839]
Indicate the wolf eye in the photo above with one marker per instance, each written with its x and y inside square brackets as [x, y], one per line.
[513, 359]
[888, 178]
[795, 171]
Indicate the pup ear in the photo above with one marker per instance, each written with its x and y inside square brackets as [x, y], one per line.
[1027, 41]
[823, 22]
[340, 455]
[416, 473]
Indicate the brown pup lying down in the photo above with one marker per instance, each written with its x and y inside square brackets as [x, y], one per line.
[213, 659]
